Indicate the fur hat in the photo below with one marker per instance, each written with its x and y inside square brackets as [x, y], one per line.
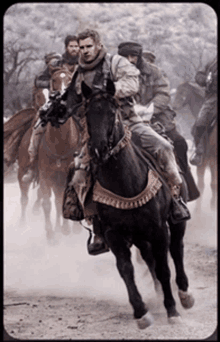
[51, 55]
[129, 48]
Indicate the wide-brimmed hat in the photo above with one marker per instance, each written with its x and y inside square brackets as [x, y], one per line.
[129, 48]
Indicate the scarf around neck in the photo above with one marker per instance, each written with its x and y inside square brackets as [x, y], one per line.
[95, 62]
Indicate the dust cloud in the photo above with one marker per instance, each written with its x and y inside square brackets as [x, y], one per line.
[66, 269]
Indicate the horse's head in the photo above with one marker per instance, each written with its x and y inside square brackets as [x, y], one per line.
[60, 79]
[102, 113]
[181, 96]
[41, 96]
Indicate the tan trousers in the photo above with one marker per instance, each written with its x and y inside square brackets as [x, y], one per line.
[36, 136]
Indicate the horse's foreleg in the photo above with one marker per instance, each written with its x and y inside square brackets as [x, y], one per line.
[160, 250]
[65, 228]
[177, 253]
[37, 203]
[146, 253]
[200, 171]
[46, 205]
[213, 184]
[123, 258]
[24, 188]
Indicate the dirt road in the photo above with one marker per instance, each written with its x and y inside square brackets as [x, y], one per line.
[60, 292]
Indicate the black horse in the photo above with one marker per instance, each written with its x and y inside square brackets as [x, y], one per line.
[118, 165]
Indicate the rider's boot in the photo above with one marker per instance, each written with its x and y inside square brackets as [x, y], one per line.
[179, 210]
[196, 159]
[98, 245]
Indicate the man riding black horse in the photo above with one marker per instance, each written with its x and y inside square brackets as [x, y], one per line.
[95, 67]
[208, 113]
[154, 88]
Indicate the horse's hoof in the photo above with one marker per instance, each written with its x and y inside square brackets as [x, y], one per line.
[175, 320]
[145, 321]
[186, 298]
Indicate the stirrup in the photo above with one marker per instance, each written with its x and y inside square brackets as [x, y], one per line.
[196, 159]
[179, 211]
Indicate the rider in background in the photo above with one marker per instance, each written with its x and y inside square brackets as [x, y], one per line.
[54, 62]
[208, 113]
[155, 89]
[71, 54]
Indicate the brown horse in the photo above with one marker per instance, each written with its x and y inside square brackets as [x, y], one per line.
[192, 95]
[56, 152]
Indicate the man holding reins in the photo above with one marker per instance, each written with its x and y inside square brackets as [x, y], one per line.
[95, 67]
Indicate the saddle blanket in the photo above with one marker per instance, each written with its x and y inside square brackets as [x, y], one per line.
[107, 197]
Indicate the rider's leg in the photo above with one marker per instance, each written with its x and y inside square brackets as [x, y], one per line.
[36, 136]
[161, 149]
[78, 185]
[181, 148]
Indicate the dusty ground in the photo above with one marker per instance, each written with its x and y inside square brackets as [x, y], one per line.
[60, 292]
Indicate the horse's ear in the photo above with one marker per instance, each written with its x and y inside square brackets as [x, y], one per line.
[86, 90]
[110, 87]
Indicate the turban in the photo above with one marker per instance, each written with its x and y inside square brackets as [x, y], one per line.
[129, 48]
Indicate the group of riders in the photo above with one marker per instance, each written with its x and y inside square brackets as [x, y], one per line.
[143, 92]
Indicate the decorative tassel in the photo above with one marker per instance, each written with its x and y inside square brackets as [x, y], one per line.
[105, 196]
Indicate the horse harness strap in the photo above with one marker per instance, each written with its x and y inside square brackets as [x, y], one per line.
[107, 197]
[122, 143]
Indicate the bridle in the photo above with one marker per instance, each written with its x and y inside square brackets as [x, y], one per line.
[62, 74]
[112, 150]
